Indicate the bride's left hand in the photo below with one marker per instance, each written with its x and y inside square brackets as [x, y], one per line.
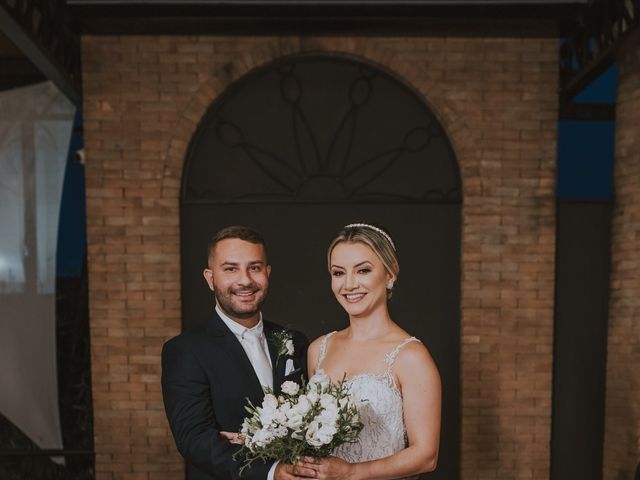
[330, 468]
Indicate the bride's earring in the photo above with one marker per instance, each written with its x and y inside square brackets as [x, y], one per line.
[390, 286]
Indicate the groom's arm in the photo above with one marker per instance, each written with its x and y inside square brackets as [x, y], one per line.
[188, 404]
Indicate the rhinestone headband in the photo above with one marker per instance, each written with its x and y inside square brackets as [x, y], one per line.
[376, 229]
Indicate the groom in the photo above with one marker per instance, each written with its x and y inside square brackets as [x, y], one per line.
[209, 373]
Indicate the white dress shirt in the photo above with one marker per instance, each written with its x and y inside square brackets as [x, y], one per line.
[239, 331]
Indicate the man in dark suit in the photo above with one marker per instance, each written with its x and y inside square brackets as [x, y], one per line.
[209, 373]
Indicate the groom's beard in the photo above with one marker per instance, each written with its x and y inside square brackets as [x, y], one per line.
[233, 304]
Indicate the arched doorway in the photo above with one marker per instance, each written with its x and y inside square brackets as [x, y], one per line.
[303, 145]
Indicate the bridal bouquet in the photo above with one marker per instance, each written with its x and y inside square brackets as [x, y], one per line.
[307, 421]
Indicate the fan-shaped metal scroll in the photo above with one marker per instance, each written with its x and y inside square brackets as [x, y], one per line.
[320, 128]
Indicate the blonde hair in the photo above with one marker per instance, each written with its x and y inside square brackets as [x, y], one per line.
[376, 238]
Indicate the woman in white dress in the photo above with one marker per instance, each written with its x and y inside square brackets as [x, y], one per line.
[391, 374]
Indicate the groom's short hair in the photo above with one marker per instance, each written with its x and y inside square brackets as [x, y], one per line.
[236, 231]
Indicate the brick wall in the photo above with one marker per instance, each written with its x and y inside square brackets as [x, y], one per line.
[622, 419]
[143, 98]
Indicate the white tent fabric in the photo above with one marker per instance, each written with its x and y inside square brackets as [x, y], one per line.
[35, 130]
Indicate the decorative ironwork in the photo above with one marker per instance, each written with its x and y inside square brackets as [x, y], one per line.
[40, 28]
[320, 129]
[602, 30]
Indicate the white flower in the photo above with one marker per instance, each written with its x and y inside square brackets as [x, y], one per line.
[328, 402]
[312, 395]
[283, 342]
[319, 434]
[319, 379]
[289, 346]
[246, 428]
[328, 416]
[280, 431]
[280, 417]
[302, 407]
[317, 418]
[290, 388]
[296, 414]
[270, 402]
[269, 411]
[294, 421]
[262, 437]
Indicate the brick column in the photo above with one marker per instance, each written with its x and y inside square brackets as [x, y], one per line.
[622, 419]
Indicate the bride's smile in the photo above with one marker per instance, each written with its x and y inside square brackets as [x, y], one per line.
[354, 297]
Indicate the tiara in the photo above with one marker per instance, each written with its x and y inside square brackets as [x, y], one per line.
[376, 229]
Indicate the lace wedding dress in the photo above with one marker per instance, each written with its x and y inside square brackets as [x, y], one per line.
[380, 408]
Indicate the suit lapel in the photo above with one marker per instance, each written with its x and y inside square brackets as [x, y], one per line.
[229, 342]
[273, 354]
[277, 365]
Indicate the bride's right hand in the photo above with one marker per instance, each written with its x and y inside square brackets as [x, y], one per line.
[235, 438]
[329, 468]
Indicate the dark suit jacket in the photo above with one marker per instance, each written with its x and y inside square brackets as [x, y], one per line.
[206, 381]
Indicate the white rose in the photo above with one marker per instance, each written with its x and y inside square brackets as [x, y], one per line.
[289, 346]
[266, 416]
[295, 415]
[280, 417]
[294, 421]
[327, 432]
[312, 395]
[328, 416]
[319, 434]
[262, 437]
[290, 388]
[328, 402]
[285, 407]
[302, 407]
[270, 402]
[312, 435]
[269, 411]
[321, 379]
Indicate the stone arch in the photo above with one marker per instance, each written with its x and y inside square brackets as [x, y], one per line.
[460, 135]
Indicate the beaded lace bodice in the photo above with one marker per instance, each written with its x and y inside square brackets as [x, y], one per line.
[379, 404]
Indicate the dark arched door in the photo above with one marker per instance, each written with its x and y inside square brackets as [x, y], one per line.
[304, 145]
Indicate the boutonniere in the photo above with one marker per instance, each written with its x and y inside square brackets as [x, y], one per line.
[283, 342]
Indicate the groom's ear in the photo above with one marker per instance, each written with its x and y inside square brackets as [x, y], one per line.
[268, 270]
[208, 276]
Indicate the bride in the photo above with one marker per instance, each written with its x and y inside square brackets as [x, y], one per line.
[391, 374]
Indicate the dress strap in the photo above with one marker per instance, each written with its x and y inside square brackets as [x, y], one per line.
[323, 348]
[391, 356]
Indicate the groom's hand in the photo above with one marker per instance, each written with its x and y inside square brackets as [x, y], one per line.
[284, 471]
